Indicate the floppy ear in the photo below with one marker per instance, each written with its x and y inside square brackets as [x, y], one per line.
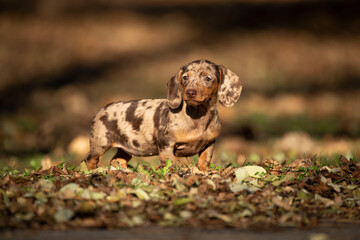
[230, 87]
[173, 90]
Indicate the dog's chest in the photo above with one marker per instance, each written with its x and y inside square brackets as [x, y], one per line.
[190, 141]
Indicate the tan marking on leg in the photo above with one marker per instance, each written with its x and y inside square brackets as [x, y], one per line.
[120, 159]
[203, 163]
[205, 157]
[92, 163]
[118, 162]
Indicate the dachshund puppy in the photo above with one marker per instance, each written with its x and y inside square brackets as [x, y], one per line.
[184, 124]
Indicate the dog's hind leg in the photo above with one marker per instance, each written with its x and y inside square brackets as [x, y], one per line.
[94, 155]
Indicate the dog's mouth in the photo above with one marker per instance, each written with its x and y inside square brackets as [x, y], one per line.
[193, 102]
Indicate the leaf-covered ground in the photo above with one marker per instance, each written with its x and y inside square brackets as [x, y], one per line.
[298, 194]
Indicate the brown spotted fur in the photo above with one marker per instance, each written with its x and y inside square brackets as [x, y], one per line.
[184, 124]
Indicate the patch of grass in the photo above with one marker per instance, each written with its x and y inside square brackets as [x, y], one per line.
[303, 173]
[32, 161]
[328, 160]
[196, 160]
[161, 172]
[215, 167]
[9, 171]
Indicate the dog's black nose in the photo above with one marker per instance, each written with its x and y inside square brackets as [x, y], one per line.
[191, 93]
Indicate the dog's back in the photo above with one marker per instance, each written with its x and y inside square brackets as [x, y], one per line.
[130, 125]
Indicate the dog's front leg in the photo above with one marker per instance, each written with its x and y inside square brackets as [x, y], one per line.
[205, 156]
[167, 153]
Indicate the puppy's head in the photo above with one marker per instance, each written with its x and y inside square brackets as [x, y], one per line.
[203, 81]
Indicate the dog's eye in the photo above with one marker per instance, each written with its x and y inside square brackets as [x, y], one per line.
[185, 77]
[207, 78]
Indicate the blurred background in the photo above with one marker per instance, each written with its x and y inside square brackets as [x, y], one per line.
[61, 61]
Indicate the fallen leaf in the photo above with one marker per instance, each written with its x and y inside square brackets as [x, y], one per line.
[41, 198]
[69, 191]
[89, 194]
[82, 167]
[46, 163]
[336, 187]
[300, 162]
[327, 202]
[44, 185]
[211, 183]
[178, 185]
[281, 203]
[141, 194]
[245, 213]
[195, 170]
[249, 171]
[137, 220]
[241, 174]
[287, 177]
[169, 217]
[256, 171]
[237, 187]
[185, 214]
[215, 214]
[63, 215]
[330, 170]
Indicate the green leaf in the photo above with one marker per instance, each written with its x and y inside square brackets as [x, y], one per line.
[61, 165]
[140, 169]
[168, 163]
[182, 201]
[71, 168]
[82, 168]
